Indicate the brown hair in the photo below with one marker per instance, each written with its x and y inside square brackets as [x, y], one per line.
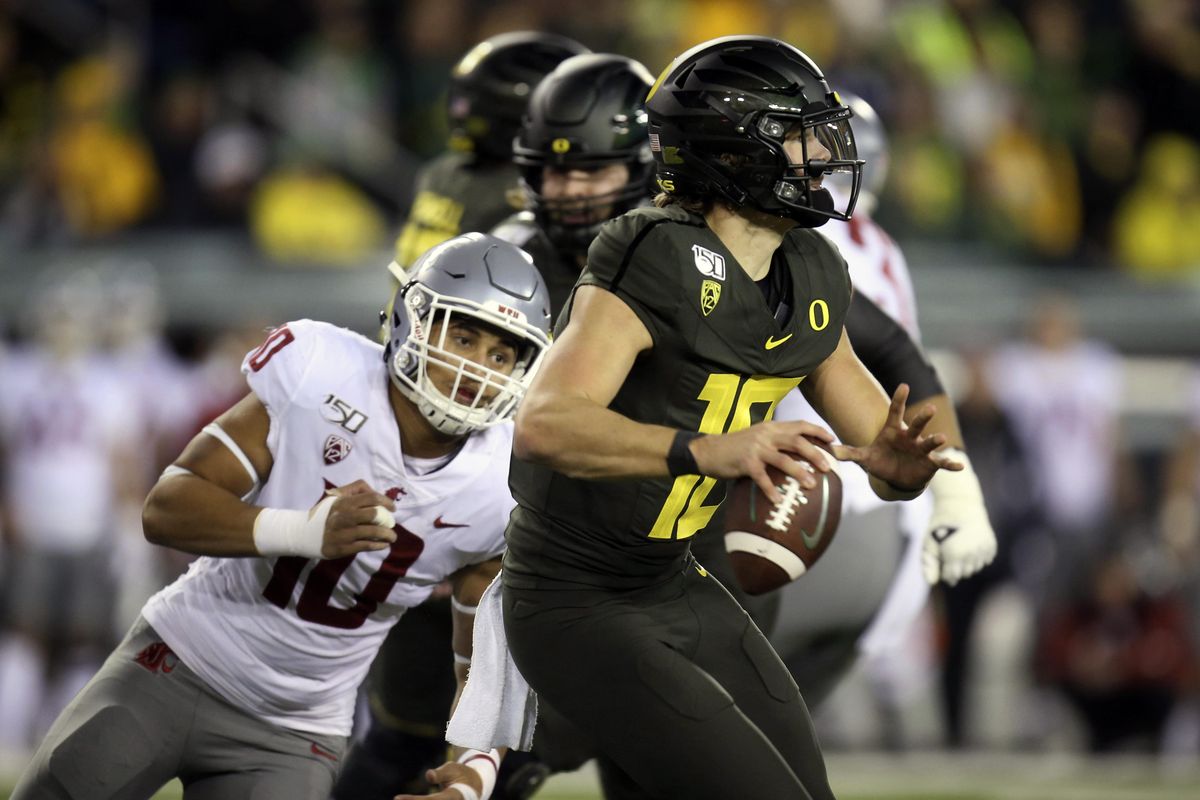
[696, 205]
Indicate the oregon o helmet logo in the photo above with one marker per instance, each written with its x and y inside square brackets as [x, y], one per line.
[560, 146]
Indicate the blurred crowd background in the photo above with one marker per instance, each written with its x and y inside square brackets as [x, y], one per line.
[1061, 130]
[175, 175]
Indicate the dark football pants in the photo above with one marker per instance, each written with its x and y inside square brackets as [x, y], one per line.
[680, 689]
[135, 726]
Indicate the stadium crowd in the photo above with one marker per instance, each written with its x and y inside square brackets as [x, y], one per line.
[303, 123]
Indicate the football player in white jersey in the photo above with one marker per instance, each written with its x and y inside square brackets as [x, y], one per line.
[868, 589]
[348, 483]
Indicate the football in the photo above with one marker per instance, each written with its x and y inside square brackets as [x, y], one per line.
[770, 545]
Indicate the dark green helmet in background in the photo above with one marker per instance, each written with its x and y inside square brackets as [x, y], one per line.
[491, 85]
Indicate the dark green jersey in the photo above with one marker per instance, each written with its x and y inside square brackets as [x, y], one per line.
[720, 362]
[558, 270]
[453, 196]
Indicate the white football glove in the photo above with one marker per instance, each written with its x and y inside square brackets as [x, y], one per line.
[960, 540]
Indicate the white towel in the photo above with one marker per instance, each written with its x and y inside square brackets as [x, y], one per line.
[497, 707]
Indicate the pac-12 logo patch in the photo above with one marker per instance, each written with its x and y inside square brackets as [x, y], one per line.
[710, 295]
[709, 263]
[336, 449]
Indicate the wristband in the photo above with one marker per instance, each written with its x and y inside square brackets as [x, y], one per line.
[288, 532]
[680, 460]
[486, 766]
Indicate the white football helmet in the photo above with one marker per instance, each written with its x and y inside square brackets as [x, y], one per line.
[491, 281]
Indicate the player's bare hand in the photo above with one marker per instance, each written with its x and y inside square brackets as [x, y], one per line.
[750, 450]
[443, 779]
[359, 519]
[901, 454]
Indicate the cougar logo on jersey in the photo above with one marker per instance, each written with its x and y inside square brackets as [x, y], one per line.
[336, 448]
[709, 263]
[339, 412]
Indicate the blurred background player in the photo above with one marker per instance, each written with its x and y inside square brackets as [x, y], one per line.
[468, 188]
[412, 432]
[868, 589]
[165, 401]
[66, 442]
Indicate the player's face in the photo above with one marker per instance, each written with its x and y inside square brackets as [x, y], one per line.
[801, 142]
[468, 342]
[571, 192]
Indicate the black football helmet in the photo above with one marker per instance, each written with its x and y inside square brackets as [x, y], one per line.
[492, 83]
[719, 116]
[586, 114]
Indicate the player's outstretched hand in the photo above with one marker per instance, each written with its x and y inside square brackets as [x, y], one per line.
[901, 455]
[750, 450]
[360, 518]
[447, 779]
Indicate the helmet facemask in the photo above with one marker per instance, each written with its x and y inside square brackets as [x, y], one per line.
[794, 189]
[762, 174]
[479, 395]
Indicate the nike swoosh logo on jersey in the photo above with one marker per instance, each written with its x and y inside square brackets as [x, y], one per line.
[772, 343]
[323, 753]
[440, 523]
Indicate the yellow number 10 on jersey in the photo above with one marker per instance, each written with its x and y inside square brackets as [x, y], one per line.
[684, 511]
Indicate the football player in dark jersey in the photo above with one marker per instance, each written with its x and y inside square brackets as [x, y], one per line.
[688, 325]
[468, 187]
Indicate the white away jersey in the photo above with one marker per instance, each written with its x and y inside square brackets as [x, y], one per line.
[289, 639]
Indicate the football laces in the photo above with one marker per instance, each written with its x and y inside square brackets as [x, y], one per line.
[793, 497]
